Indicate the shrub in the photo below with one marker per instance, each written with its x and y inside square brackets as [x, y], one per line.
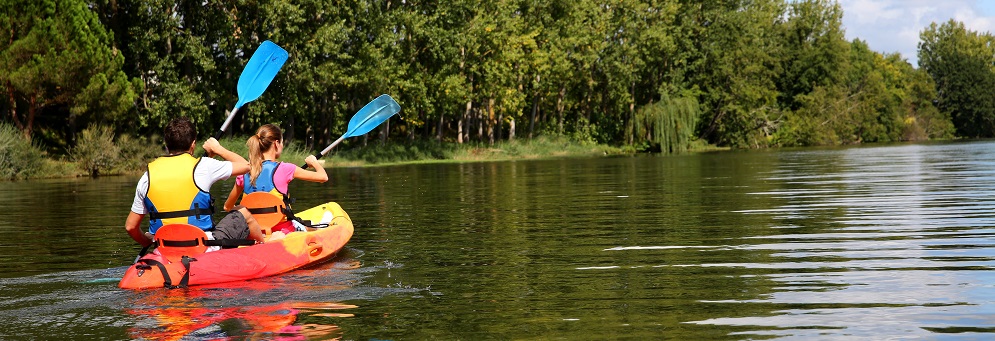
[19, 157]
[95, 150]
[137, 152]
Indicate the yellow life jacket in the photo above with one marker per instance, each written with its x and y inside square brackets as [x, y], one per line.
[173, 196]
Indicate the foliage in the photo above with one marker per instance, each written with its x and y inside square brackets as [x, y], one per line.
[137, 152]
[540, 147]
[668, 124]
[95, 151]
[759, 73]
[960, 62]
[19, 158]
[56, 58]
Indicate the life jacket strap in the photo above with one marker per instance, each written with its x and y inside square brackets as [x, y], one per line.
[196, 211]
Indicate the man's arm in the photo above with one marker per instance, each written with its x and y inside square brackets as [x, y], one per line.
[133, 226]
[239, 165]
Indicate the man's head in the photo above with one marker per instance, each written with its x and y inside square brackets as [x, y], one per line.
[179, 134]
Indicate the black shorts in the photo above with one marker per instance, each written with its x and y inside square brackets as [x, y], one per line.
[232, 226]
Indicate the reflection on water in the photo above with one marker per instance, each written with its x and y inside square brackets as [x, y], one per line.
[862, 243]
[880, 242]
[236, 311]
[170, 320]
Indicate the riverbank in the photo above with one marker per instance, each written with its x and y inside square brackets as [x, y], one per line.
[102, 154]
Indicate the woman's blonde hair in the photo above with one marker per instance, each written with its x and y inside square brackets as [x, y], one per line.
[264, 139]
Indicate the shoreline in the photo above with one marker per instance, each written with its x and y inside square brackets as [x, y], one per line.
[375, 155]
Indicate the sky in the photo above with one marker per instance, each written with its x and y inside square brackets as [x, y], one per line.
[894, 25]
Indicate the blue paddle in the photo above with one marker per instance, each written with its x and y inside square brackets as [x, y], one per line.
[367, 118]
[262, 67]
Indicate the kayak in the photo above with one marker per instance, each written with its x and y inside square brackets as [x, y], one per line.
[296, 250]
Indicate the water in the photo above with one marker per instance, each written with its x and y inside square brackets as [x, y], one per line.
[876, 242]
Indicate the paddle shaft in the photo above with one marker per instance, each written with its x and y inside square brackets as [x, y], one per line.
[327, 149]
[378, 111]
[228, 120]
[141, 253]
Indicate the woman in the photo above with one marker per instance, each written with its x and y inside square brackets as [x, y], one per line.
[266, 173]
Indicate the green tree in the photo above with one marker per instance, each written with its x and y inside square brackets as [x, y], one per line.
[960, 61]
[57, 59]
[740, 67]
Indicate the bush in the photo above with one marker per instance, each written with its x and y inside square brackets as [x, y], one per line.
[95, 150]
[137, 152]
[19, 157]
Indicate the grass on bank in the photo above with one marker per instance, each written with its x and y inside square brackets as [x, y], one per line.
[99, 151]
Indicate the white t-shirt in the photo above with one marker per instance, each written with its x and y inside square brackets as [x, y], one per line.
[207, 172]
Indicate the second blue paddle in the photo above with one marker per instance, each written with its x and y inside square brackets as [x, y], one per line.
[367, 118]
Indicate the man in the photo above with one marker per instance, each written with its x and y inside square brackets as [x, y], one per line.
[176, 189]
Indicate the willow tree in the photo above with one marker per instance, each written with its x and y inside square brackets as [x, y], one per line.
[668, 125]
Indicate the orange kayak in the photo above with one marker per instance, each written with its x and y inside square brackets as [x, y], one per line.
[296, 250]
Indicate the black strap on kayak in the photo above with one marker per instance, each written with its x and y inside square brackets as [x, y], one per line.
[186, 276]
[168, 282]
[146, 265]
[196, 211]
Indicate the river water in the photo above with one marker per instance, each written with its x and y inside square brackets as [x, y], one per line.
[873, 242]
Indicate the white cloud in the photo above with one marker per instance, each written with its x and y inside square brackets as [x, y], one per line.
[894, 25]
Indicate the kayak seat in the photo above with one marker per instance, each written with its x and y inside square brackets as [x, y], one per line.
[177, 240]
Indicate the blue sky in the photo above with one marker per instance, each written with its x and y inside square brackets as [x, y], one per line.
[894, 25]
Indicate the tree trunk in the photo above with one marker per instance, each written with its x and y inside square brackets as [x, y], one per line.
[442, 123]
[385, 132]
[511, 129]
[490, 120]
[478, 120]
[499, 127]
[13, 106]
[559, 109]
[31, 116]
[535, 110]
[459, 128]
[629, 127]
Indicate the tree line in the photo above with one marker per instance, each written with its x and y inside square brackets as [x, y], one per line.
[652, 74]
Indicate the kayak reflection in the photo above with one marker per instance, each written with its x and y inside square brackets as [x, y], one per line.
[271, 322]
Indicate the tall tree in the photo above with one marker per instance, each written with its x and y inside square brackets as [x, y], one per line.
[57, 59]
[960, 61]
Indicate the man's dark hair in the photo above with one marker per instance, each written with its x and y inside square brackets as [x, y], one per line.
[179, 134]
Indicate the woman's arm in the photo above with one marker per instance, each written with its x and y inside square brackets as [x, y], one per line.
[236, 191]
[317, 175]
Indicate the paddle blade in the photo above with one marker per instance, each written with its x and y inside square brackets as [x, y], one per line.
[374, 113]
[262, 67]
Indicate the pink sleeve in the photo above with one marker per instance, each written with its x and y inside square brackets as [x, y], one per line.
[284, 173]
[240, 181]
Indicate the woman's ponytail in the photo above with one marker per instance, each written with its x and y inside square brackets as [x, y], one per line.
[255, 157]
[264, 139]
